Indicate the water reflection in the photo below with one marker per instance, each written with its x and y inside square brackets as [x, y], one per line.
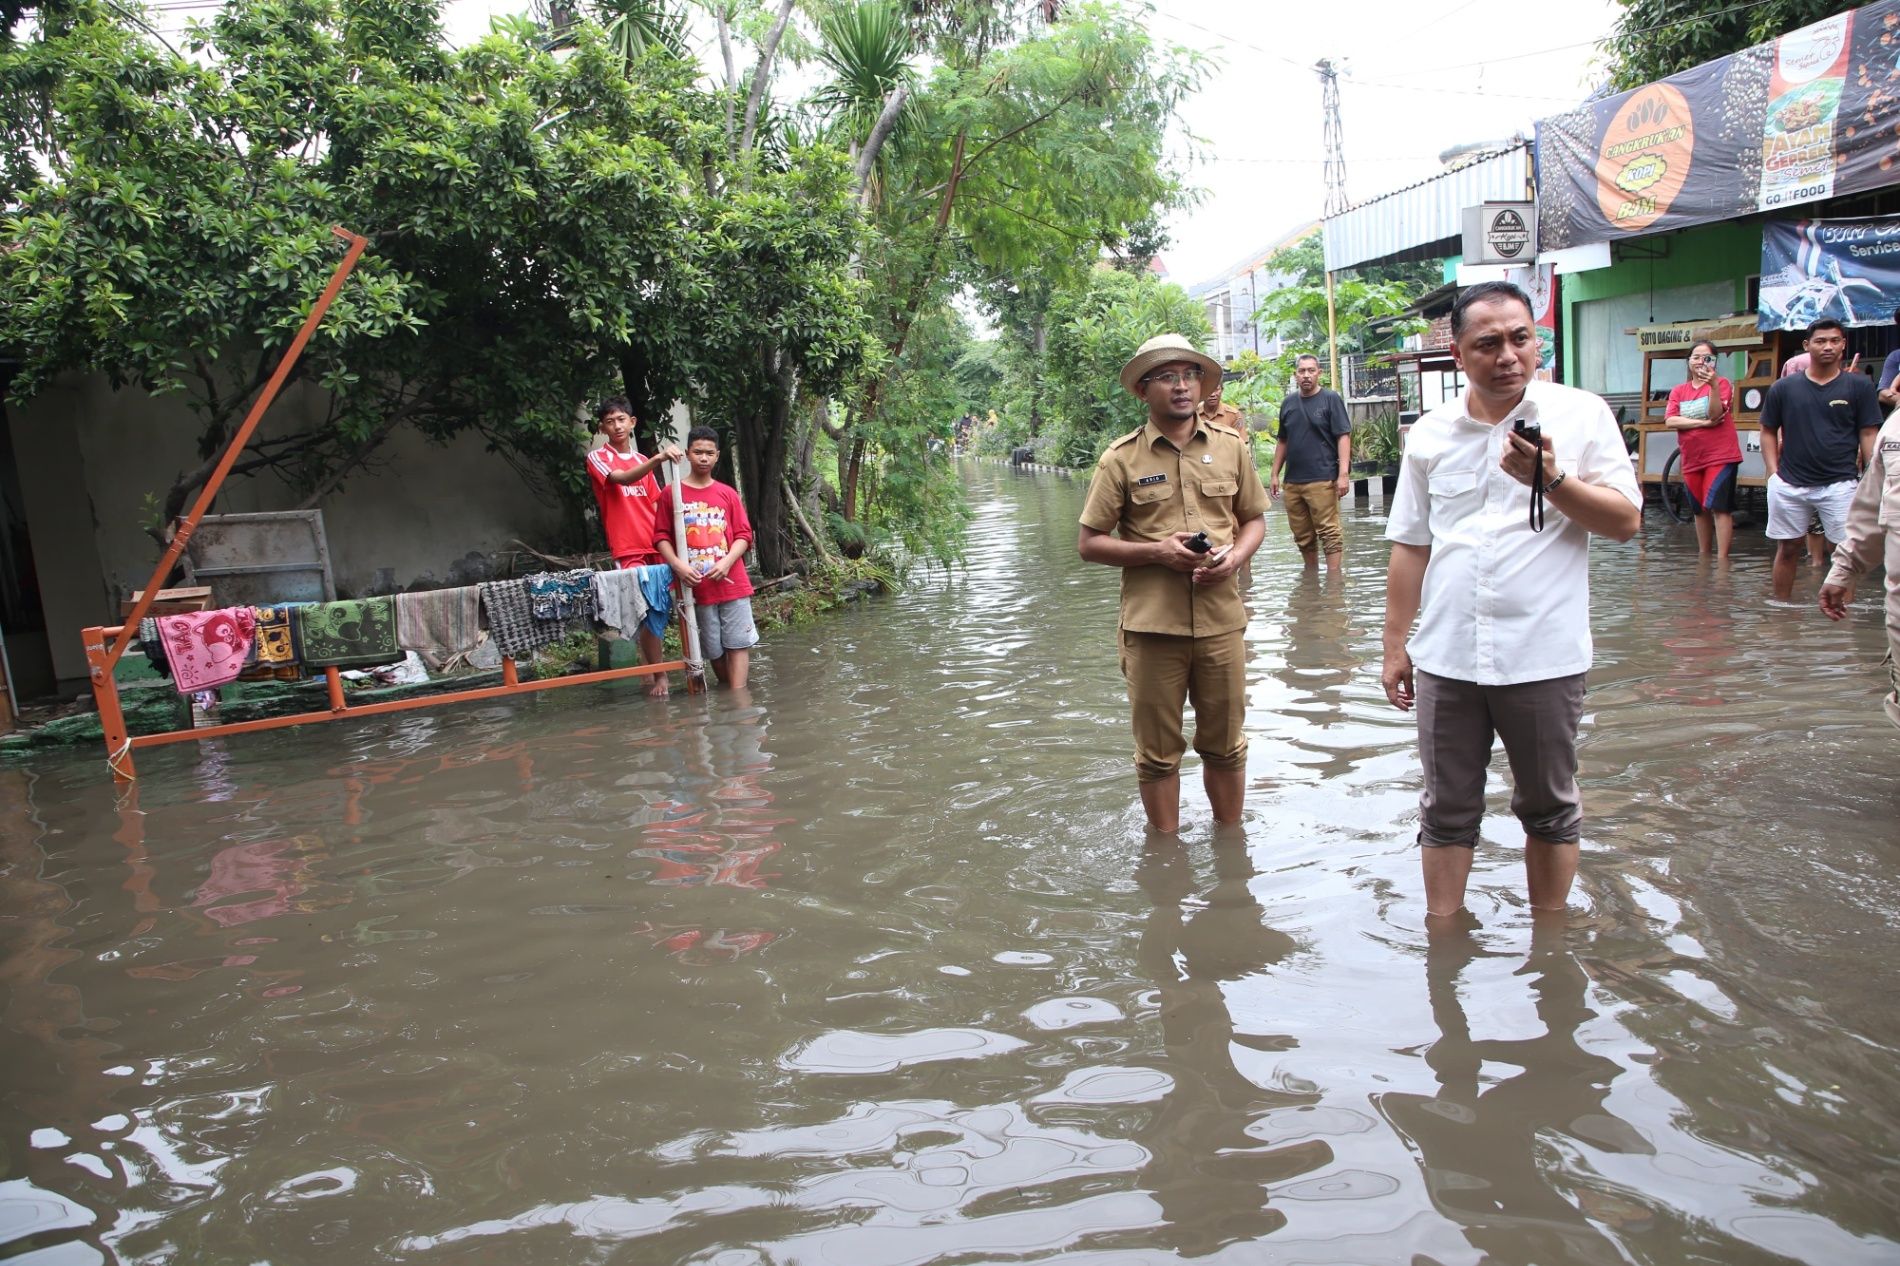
[1503, 1103]
[1211, 1168]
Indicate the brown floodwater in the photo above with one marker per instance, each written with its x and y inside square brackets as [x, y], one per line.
[876, 967]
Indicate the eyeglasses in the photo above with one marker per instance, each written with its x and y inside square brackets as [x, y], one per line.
[1174, 377]
[1702, 360]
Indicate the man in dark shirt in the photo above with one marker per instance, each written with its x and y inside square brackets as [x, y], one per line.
[1315, 448]
[1817, 431]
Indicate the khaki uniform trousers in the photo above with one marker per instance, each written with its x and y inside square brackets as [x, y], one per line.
[1164, 673]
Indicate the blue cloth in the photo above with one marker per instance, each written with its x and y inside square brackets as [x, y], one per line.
[656, 586]
[1889, 370]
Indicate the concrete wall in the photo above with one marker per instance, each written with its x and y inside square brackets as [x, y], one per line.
[89, 455]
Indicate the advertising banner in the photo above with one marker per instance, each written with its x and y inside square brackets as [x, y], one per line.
[1845, 269]
[1540, 283]
[1804, 117]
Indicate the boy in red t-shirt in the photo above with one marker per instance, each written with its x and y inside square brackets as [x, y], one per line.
[718, 534]
[629, 499]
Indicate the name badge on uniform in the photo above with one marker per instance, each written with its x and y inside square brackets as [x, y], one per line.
[1145, 480]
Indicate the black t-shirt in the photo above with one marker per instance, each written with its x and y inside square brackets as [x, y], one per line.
[1819, 426]
[1310, 427]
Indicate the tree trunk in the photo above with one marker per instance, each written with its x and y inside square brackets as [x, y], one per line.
[761, 435]
[854, 470]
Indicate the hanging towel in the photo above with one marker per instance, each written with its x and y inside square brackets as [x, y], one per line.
[562, 595]
[656, 584]
[206, 648]
[358, 633]
[273, 654]
[619, 604]
[511, 619]
[154, 646]
[441, 625]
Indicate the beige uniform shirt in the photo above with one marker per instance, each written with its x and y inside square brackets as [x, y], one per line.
[1144, 489]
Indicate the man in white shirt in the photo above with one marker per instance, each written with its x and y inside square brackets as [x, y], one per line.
[1503, 609]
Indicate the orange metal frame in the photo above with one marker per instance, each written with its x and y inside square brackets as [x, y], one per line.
[101, 657]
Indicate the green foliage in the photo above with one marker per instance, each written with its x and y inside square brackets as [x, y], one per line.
[1654, 39]
[1092, 333]
[1376, 439]
[535, 223]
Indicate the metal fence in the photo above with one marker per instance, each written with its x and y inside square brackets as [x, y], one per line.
[1369, 377]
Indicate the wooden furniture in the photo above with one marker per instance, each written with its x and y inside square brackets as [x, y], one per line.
[1656, 442]
[169, 601]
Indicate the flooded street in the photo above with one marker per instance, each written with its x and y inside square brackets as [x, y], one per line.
[875, 968]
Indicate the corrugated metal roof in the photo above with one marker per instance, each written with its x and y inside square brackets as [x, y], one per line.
[1426, 212]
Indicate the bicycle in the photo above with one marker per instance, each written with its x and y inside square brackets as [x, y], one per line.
[1675, 493]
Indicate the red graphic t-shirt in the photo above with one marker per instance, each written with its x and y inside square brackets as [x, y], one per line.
[1705, 446]
[715, 520]
[626, 510]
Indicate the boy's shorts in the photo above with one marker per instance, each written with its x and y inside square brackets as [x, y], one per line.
[725, 626]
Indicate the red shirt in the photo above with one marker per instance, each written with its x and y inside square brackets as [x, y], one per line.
[1705, 446]
[627, 511]
[715, 520]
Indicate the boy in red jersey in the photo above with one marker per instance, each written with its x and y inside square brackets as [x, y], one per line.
[718, 534]
[629, 500]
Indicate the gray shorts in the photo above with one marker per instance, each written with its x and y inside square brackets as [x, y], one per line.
[725, 626]
[1537, 720]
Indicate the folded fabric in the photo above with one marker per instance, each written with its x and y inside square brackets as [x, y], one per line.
[273, 654]
[154, 646]
[619, 606]
[562, 595]
[656, 585]
[206, 648]
[357, 633]
[441, 625]
[511, 621]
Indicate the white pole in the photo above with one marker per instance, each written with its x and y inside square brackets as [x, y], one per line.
[695, 666]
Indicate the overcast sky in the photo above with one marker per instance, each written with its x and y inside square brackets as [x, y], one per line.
[1420, 78]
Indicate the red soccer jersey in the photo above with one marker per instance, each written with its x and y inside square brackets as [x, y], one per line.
[626, 510]
[715, 520]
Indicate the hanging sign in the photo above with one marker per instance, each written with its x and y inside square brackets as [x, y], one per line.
[1810, 115]
[1845, 269]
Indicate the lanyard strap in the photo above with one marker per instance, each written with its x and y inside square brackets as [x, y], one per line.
[1537, 495]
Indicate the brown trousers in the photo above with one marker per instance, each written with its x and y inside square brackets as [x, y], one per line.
[1312, 511]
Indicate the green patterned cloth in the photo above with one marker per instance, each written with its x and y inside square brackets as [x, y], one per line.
[359, 633]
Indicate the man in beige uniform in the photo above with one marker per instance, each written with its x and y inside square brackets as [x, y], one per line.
[1156, 489]
[1873, 518]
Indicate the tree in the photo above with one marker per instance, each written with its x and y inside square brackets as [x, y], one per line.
[1093, 330]
[1654, 39]
[1296, 312]
[537, 225]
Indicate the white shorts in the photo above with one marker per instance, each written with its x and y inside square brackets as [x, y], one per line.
[725, 626]
[1792, 509]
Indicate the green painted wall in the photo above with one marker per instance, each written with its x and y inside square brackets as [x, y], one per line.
[1706, 253]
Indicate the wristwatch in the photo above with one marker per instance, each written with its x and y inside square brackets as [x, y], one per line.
[1552, 485]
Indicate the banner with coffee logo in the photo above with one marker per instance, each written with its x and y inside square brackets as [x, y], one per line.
[1811, 115]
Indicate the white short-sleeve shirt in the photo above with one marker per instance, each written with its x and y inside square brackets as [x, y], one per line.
[1503, 604]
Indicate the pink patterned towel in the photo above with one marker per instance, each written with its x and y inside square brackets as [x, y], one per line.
[207, 648]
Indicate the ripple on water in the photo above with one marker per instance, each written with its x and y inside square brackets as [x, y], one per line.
[849, 1051]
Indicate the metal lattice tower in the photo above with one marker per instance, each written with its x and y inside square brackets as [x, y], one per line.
[1334, 136]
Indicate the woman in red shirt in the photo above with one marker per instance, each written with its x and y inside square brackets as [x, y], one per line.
[1702, 414]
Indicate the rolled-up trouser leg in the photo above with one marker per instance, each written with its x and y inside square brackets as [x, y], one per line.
[1217, 686]
[1454, 750]
[1538, 722]
[1156, 667]
[1893, 626]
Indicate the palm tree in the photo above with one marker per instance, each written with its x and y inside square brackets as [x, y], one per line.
[866, 103]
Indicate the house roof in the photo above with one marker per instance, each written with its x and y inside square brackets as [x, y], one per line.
[1253, 259]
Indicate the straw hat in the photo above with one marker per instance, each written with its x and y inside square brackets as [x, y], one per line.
[1160, 350]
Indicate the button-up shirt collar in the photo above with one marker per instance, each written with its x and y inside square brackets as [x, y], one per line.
[1502, 603]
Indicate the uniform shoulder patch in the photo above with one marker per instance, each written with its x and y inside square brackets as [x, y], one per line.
[1126, 439]
[1224, 427]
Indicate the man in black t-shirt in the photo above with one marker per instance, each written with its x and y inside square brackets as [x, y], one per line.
[1817, 431]
[1315, 448]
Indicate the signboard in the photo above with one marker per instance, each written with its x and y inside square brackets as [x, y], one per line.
[1500, 233]
[1804, 117]
[1682, 335]
[1845, 269]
